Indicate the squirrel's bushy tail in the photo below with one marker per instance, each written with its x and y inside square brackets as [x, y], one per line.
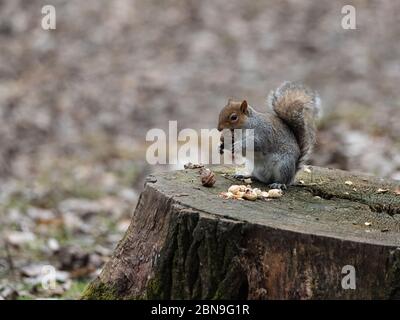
[299, 107]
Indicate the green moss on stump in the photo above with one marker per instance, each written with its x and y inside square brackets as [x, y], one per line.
[97, 290]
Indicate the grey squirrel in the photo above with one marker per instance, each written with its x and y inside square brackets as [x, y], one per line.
[283, 136]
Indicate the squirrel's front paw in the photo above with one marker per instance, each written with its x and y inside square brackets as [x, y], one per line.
[281, 186]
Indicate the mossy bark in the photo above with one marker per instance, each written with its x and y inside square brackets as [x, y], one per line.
[184, 242]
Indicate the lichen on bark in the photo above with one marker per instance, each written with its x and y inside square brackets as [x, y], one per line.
[198, 261]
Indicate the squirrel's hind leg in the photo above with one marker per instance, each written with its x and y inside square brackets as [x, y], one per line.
[284, 173]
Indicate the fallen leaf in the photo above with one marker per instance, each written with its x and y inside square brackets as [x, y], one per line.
[81, 207]
[380, 190]
[40, 215]
[8, 293]
[19, 237]
[349, 183]
[53, 244]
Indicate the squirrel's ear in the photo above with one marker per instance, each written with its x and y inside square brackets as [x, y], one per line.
[243, 107]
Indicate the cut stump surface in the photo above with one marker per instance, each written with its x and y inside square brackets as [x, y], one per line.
[186, 242]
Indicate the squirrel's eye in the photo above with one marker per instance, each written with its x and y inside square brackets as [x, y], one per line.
[233, 117]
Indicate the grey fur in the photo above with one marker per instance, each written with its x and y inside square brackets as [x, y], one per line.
[275, 149]
[300, 116]
[279, 149]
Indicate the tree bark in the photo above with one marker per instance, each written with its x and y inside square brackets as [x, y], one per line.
[185, 242]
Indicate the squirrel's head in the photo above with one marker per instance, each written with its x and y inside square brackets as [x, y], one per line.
[233, 115]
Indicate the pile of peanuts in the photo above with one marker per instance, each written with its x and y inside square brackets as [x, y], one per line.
[240, 192]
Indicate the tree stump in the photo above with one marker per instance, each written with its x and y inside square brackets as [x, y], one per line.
[185, 242]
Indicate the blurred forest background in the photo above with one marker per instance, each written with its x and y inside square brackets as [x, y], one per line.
[76, 103]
